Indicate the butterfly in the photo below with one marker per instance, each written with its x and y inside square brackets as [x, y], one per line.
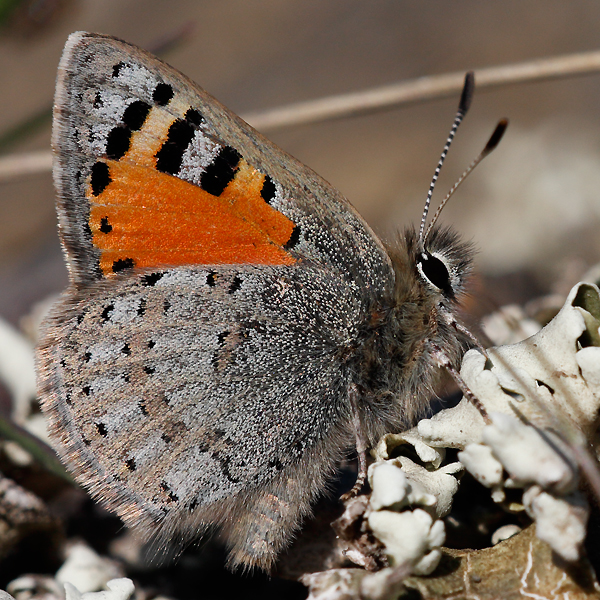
[232, 326]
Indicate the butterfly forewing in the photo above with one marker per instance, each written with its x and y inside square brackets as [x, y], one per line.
[131, 133]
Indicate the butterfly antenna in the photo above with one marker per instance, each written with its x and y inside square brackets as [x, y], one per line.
[463, 107]
[489, 148]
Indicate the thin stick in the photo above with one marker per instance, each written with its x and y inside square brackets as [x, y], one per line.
[403, 93]
[444, 362]
[423, 89]
[27, 163]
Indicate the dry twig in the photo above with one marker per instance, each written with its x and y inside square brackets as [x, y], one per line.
[422, 89]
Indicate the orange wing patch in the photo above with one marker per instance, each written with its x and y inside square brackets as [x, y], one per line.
[146, 218]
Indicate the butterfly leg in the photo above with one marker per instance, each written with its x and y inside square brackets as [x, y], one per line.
[443, 361]
[361, 447]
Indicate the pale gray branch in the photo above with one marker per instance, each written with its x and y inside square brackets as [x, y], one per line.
[385, 97]
[15, 166]
[422, 90]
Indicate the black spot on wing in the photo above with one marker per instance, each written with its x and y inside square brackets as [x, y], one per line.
[162, 94]
[275, 464]
[226, 468]
[294, 238]
[100, 179]
[268, 190]
[122, 264]
[221, 338]
[118, 142]
[164, 486]
[181, 132]
[211, 279]
[106, 313]
[136, 114]
[220, 171]
[194, 117]
[117, 69]
[236, 284]
[151, 279]
[105, 226]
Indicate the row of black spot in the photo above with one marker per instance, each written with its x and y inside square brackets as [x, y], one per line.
[214, 179]
[152, 279]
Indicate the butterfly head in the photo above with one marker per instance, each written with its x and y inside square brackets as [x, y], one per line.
[439, 272]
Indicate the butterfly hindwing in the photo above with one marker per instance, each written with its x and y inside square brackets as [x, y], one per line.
[183, 394]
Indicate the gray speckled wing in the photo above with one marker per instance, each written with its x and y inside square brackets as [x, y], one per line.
[182, 394]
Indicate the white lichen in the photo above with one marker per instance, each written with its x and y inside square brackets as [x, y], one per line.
[553, 375]
[541, 392]
[390, 486]
[118, 589]
[530, 456]
[504, 532]
[410, 537]
[400, 482]
[560, 521]
[87, 571]
[543, 396]
[480, 461]
[405, 508]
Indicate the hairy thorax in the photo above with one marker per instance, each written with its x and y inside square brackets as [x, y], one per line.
[394, 368]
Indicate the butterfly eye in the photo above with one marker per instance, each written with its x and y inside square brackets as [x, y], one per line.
[436, 272]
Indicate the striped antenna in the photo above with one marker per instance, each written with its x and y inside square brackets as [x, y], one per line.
[463, 107]
[489, 147]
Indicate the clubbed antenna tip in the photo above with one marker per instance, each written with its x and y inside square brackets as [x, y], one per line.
[467, 93]
[495, 137]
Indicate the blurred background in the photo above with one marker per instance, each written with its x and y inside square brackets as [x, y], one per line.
[532, 208]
